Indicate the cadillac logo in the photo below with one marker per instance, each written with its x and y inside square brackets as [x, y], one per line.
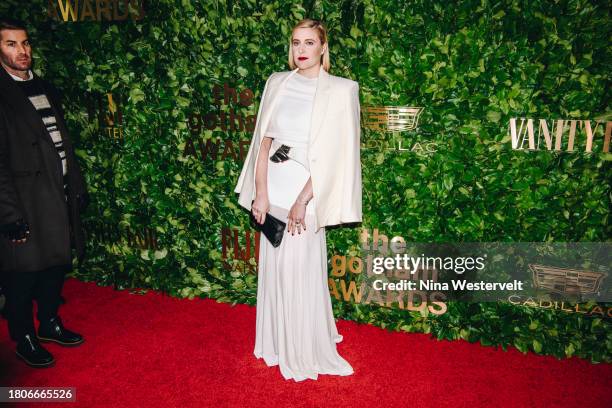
[391, 118]
[566, 281]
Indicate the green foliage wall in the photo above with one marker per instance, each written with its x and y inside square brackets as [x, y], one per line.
[472, 65]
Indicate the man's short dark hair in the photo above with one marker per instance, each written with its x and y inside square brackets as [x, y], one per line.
[7, 23]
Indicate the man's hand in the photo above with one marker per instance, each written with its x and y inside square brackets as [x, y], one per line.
[17, 231]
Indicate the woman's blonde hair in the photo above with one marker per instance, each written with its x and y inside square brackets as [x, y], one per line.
[321, 30]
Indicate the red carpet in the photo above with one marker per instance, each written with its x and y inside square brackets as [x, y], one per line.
[155, 351]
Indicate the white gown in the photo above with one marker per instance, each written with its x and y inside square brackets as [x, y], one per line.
[295, 326]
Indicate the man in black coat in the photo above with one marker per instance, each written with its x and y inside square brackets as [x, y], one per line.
[42, 193]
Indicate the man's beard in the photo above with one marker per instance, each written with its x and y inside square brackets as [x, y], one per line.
[14, 66]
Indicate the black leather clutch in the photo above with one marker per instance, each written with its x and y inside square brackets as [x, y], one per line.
[272, 228]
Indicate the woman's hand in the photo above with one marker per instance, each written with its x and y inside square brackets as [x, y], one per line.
[296, 217]
[260, 207]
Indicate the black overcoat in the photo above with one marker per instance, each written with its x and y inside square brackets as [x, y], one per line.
[31, 183]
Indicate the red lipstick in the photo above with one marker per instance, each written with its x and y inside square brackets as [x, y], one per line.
[302, 58]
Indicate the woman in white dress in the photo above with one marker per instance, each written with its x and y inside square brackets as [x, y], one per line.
[309, 183]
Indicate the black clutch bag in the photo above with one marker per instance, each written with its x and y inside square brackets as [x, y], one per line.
[272, 228]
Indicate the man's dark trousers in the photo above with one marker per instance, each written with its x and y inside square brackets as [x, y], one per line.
[21, 287]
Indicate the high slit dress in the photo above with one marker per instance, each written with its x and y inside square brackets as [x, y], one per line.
[295, 327]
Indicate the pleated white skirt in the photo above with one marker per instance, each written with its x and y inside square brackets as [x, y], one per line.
[295, 326]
